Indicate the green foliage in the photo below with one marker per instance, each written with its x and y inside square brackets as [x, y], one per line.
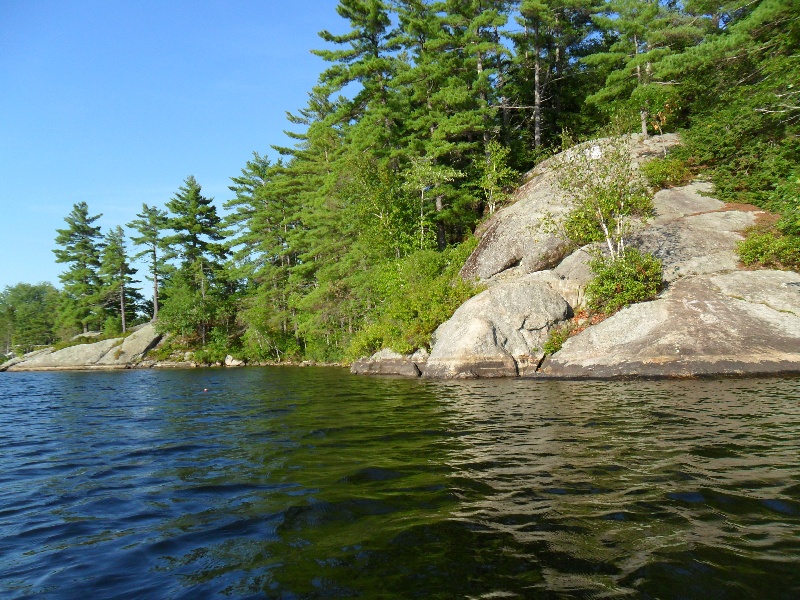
[170, 349]
[497, 178]
[666, 172]
[426, 176]
[215, 350]
[786, 201]
[27, 317]
[112, 326]
[151, 224]
[742, 86]
[557, 336]
[197, 226]
[770, 249]
[607, 192]
[120, 297]
[80, 247]
[412, 297]
[618, 282]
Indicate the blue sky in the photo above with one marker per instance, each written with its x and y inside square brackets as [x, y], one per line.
[116, 102]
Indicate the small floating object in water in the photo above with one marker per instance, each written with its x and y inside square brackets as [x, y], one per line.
[205, 389]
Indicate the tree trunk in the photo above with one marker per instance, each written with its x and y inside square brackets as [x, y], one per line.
[640, 81]
[441, 238]
[155, 295]
[537, 96]
[122, 303]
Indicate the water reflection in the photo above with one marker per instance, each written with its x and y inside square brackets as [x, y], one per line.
[305, 483]
[638, 487]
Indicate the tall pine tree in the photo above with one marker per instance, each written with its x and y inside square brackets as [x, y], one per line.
[81, 245]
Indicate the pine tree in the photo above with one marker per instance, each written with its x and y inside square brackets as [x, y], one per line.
[197, 292]
[121, 297]
[554, 33]
[454, 52]
[196, 225]
[741, 88]
[645, 32]
[264, 218]
[81, 248]
[151, 225]
[367, 59]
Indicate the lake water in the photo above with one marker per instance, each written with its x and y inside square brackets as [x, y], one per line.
[312, 483]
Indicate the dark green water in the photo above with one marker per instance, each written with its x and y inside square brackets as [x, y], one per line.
[311, 483]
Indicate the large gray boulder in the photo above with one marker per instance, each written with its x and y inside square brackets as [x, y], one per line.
[742, 322]
[498, 333]
[570, 277]
[515, 239]
[133, 347]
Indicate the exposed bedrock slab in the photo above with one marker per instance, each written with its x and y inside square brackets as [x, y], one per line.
[498, 333]
[514, 238]
[738, 323]
[389, 362]
[133, 347]
[693, 235]
[117, 353]
[82, 355]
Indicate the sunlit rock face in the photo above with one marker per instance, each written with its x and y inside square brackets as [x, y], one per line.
[740, 322]
[498, 333]
[712, 318]
[515, 241]
[118, 353]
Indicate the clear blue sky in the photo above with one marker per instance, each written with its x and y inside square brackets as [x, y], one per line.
[116, 102]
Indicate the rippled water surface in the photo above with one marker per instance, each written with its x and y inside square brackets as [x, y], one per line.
[307, 483]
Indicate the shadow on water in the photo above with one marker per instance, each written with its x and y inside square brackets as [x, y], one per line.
[310, 483]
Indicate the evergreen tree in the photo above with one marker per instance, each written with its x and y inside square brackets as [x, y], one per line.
[264, 218]
[121, 298]
[367, 59]
[200, 292]
[644, 33]
[197, 227]
[151, 225]
[554, 34]
[81, 247]
[740, 88]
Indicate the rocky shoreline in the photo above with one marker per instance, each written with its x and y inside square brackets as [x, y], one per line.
[712, 318]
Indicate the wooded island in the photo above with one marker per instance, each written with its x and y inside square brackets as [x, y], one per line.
[423, 125]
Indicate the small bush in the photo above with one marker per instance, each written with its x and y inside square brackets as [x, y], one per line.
[770, 249]
[167, 350]
[414, 295]
[666, 172]
[112, 327]
[785, 199]
[558, 335]
[607, 190]
[632, 277]
[215, 350]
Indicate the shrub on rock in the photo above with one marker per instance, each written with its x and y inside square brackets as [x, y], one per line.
[630, 277]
